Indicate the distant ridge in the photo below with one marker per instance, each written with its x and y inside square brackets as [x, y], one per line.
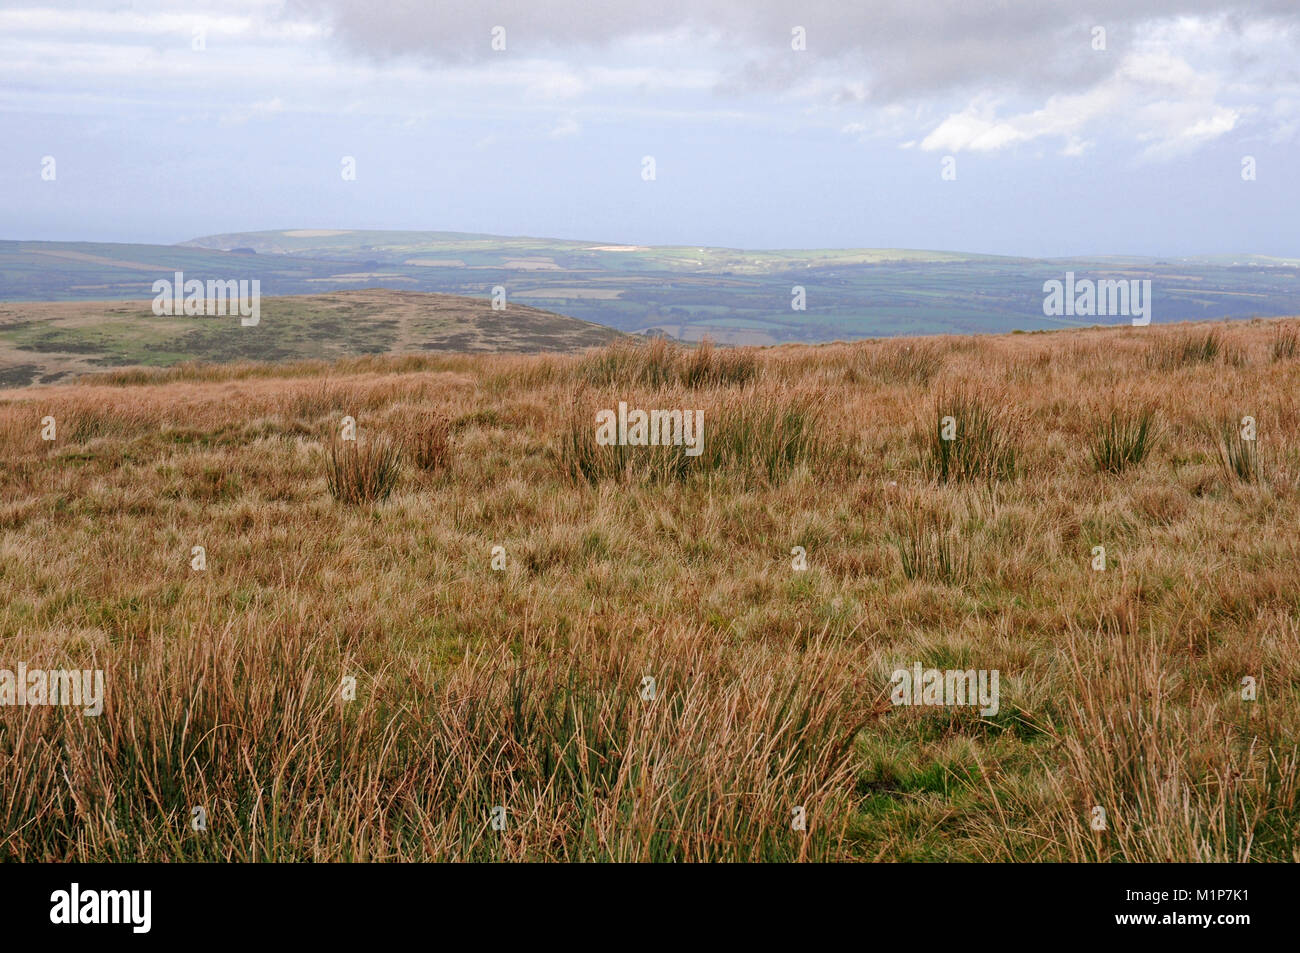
[733, 296]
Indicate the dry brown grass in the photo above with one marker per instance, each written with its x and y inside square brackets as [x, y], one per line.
[427, 440]
[522, 687]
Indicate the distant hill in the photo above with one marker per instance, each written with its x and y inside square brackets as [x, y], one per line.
[734, 296]
[474, 251]
[47, 341]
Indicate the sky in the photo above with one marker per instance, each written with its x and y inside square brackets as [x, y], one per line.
[1019, 127]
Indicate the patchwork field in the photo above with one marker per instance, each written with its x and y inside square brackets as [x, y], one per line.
[729, 295]
[475, 632]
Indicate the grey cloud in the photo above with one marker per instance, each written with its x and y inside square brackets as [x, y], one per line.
[897, 49]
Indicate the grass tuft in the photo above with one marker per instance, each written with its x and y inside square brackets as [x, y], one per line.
[905, 363]
[1285, 343]
[929, 546]
[981, 444]
[754, 437]
[1123, 440]
[362, 471]
[1186, 349]
[1238, 454]
[427, 442]
[663, 363]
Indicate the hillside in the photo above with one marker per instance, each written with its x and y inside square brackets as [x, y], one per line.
[732, 296]
[44, 342]
[368, 650]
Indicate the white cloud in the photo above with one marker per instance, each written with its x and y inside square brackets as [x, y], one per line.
[259, 110]
[1154, 97]
[1076, 147]
[568, 126]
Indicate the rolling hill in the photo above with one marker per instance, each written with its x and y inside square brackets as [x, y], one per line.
[44, 342]
[733, 296]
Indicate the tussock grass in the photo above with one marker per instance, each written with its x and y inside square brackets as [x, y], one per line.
[767, 436]
[582, 459]
[1131, 754]
[252, 724]
[982, 445]
[763, 437]
[1123, 440]
[663, 363]
[362, 471]
[1285, 343]
[930, 546]
[427, 441]
[910, 363]
[1185, 349]
[1238, 454]
[707, 366]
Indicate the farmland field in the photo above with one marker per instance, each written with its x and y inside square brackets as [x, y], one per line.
[728, 295]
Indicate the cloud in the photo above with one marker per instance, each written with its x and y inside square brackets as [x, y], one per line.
[259, 110]
[950, 75]
[899, 48]
[1154, 97]
[568, 126]
[958, 75]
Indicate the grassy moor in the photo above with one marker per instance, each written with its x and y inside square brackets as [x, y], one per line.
[43, 342]
[413, 607]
